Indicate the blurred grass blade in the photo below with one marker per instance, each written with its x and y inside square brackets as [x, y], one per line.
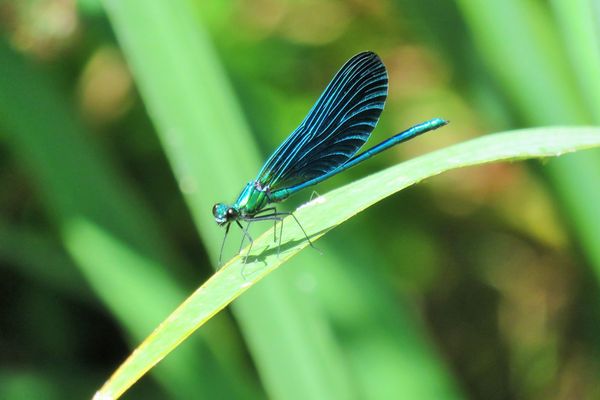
[386, 343]
[323, 214]
[579, 30]
[78, 184]
[537, 77]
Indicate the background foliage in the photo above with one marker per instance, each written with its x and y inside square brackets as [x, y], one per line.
[481, 283]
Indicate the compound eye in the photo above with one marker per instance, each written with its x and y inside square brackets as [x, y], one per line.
[216, 210]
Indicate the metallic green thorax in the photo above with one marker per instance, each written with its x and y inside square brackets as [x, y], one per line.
[251, 201]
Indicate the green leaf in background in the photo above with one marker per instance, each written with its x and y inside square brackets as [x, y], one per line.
[319, 216]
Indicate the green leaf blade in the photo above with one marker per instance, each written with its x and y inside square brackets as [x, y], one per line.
[321, 215]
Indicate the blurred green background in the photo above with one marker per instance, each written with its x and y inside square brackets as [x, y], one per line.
[122, 122]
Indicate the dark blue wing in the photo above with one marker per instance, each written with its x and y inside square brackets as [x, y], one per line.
[336, 127]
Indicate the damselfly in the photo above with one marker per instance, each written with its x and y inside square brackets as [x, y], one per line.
[323, 145]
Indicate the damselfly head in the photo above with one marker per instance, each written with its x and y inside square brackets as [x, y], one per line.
[224, 213]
